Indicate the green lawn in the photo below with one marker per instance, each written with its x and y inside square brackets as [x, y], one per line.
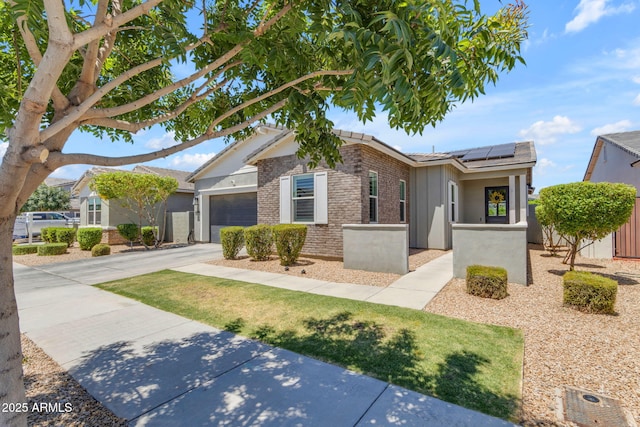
[469, 364]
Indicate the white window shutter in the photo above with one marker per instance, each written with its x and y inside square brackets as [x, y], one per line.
[285, 200]
[321, 208]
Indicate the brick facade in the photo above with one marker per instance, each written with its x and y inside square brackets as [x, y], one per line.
[348, 193]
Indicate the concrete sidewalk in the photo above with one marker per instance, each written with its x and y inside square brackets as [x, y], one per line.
[413, 290]
[156, 368]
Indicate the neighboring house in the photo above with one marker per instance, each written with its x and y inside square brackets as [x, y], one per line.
[616, 158]
[108, 213]
[261, 180]
[67, 185]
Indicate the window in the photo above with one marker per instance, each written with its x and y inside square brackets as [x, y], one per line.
[373, 197]
[496, 205]
[303, 196]
[453, 202]
[403, 201]
[95, 208]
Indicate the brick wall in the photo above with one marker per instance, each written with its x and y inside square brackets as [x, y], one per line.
[348, 193]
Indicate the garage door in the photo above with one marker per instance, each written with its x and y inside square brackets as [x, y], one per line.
[234, 209]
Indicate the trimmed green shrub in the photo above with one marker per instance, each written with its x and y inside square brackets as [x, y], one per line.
[131, 232]
[487, 282]
[101, 249]
[48, 234]
[24, 249]
[89, 237]
[589, 292]
[289, 239]
[65, 235]
[52, 249]
[232, 240]
[148, 235]
[259, 241]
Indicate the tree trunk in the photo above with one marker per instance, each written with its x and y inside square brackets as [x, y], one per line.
[12, 395]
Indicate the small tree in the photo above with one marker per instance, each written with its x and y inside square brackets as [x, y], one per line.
[586, 211]
[47, 198]
[548, 230]
[143, 194]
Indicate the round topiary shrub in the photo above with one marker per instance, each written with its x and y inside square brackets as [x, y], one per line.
[259, 241]
[48, 234]
[24, 249]
[130, 232]
[487, 282]
[52, 249]
[232, 240]
[101, 249]
[589, 292]
[289, 239]
[149, 235]
[89, 237]
[65, 235]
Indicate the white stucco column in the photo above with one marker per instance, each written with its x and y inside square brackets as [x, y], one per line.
[523, 197]
[512, 199]
[203, 201]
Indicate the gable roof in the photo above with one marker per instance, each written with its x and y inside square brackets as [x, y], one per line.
[626, 141]
[183, 185]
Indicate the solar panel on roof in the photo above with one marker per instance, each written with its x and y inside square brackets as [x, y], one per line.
[504, 150]
[459, 153]
[477, 154]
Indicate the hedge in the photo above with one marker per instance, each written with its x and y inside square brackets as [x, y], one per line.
[259, 241]
[65, 235]
[487, 282]
[289, 239]
[101, 249]
[589, 292]
[24, 249]
[232, 240]
[89, 237]
[52, 249]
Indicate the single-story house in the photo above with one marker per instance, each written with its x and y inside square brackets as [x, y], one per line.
[109, 214]
[261, 180]
[616, 158]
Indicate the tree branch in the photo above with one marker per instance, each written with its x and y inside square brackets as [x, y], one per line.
[89, 67]
[58, 159]
[280, 89]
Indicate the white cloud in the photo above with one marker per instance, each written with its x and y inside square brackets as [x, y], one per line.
[190, 161]
[543, 133]
[545, 163]
[590, 12]
[165, 141]
[3, 148]
[620, 126]
[636, 101]
[636, 79]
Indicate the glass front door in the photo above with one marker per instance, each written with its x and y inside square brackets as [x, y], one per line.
[496, 202]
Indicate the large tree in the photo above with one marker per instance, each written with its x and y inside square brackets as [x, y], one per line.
[106, 67]
[47, 198]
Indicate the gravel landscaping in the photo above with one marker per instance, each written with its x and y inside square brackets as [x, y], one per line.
[563, 347]
[331, 269]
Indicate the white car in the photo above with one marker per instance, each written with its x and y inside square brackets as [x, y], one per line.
[34, 222]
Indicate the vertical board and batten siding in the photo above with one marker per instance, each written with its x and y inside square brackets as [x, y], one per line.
[627, 238]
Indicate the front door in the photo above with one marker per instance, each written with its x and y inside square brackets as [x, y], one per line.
[496, 202]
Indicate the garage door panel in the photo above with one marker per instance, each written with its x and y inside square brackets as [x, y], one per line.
[234, 209]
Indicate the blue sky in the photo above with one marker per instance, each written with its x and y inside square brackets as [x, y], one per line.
[582, 79]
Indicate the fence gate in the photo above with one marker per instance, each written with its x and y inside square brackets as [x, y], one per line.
[627, 238]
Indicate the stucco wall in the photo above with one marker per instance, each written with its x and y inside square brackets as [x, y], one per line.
[614, 165]
[499, 245]
[348, 193]
[377, 247]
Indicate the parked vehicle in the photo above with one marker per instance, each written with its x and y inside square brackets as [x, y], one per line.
[34, 222]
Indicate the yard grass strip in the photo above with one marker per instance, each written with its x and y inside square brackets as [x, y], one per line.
[473, 365]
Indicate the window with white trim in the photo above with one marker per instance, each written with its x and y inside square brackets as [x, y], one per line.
[303, 197]
[373, 197]
[453, 202]
[403, 201]
[94, 205]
